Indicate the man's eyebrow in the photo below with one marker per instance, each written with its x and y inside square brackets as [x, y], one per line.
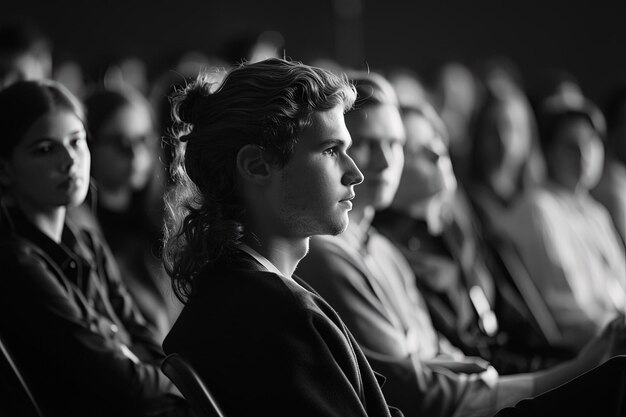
[335, 142]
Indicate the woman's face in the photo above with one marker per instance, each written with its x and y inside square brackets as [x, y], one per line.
[427, 168]
[511, 130]
[124, 150]
[576, 156]
[49, 167]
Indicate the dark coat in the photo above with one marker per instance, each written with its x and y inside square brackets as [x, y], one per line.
[71, 326]
[267, 345]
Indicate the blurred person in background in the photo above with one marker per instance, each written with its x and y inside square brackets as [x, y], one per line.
[611, 189]
[25, 53]
[468, 291]
[455, 98]
[505, 159]
[80, 342]
[565, 238]
[371, 285]
[130, 181]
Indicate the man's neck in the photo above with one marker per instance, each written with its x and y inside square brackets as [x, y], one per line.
[283, 253]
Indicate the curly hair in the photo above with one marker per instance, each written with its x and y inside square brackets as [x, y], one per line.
[267, 104]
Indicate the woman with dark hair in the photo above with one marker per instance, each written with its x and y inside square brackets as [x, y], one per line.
[130, 183]
[261, 167]
[505, 158]
[75, 333]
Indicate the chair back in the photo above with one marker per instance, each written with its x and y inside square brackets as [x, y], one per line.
[191, 386]
[17, 397]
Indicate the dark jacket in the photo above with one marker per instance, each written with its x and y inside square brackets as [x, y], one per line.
[267, 345]
[72, 328]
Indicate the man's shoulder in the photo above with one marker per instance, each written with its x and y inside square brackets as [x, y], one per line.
[237, 303]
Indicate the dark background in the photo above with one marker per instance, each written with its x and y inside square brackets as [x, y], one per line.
[586, 38]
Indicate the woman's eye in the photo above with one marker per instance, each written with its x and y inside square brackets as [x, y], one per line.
[76, 142]
[43, 149]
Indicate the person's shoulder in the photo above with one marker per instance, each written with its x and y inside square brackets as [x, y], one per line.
[327, 249]
[234, 302]
[239, 289]
[380, 244]
[327, 256]
[26, 268]
[16, 250]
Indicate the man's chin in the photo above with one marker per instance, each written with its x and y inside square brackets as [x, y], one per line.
[337, 229]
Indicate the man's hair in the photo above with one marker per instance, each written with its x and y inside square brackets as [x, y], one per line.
[267, 104]
[371, 89]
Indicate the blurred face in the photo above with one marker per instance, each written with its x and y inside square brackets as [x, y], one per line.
[312, 194]
[576, 156]
[124, 150]
[49, 167]
[23, 66]
[507, 139]
[378, 137]
[514, 133]
[427, 168]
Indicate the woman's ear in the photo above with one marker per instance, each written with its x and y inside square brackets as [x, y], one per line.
[252, 165]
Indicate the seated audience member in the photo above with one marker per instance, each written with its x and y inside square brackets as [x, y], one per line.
[370, 284]
[67, 318]
[24, 53]
[262, 166]
[128, 203]
[610, 190]
[468, 291]
[505, 159]
[455, 97]
[565, 238]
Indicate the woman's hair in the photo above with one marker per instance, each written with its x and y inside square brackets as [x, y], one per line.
[555, 113]
[266, 104]
[24, 102]
[486, 155]
[427, 111]
[102, 105]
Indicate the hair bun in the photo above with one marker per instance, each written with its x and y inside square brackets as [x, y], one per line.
[193, 103]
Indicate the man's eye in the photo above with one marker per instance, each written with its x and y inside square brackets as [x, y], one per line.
[331, 151]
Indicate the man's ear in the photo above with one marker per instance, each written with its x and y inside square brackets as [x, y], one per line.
[252, 165]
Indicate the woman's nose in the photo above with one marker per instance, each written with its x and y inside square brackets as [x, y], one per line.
[69, 155]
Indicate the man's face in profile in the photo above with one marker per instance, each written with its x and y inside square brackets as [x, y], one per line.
[312, 194]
